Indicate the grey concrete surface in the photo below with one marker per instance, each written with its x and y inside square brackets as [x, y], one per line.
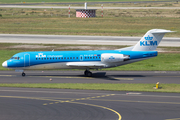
[67, 7]
[62, 3]
[98, 77]
[46, 104]
[73, 39]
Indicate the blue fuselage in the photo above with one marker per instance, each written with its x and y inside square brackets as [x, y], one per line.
[24, 60]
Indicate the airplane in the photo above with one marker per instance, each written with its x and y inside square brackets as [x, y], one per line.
[92, 59]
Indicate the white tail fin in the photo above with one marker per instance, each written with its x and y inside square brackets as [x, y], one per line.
[150, 40]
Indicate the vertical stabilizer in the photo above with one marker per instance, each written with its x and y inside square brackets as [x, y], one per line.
[150, 40]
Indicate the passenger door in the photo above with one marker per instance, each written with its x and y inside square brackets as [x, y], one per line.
[26, 60]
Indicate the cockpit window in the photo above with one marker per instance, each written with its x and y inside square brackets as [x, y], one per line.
[16, 58]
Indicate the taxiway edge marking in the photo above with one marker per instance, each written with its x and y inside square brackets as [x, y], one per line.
[120, 117]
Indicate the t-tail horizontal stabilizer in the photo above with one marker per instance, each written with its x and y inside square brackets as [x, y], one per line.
[150, 40]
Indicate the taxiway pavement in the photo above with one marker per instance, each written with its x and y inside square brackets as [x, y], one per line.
[62, 3]
[77, 39]
[98, 77]
[67, 7]
[51, 104]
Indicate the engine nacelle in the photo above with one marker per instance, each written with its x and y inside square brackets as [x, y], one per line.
[111, 57]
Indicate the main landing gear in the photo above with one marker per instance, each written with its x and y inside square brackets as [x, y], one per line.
[87, 73]
[23, 74]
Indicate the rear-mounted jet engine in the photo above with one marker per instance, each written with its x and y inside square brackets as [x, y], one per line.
[111, 58]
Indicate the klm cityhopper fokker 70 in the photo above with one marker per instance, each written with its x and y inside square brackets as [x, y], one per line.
[87, 60]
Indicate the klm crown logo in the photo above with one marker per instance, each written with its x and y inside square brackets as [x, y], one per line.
[148, 42]
[148, 38]
[40, 55]
[111, 58]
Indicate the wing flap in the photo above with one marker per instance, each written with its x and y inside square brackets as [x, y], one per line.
[81, 64]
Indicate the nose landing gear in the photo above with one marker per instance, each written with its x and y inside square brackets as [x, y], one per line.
[87, 73]
[21, 71]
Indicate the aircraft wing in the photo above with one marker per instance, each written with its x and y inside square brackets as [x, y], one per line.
[85, 65]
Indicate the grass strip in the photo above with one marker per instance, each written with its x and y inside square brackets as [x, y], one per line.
[171, 88]
[114, 23]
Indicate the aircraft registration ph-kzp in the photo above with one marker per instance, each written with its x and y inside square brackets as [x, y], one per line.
[87, 60]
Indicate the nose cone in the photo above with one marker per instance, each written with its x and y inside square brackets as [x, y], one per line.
[4, 64]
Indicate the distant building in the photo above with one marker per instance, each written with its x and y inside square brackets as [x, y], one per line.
[85, 13]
